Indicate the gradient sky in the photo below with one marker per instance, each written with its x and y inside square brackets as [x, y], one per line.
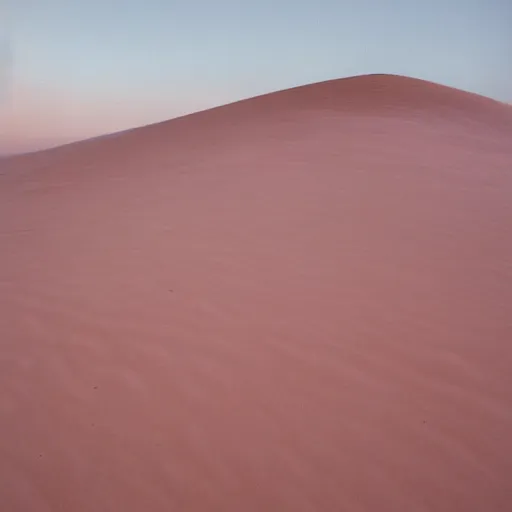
[72, 69]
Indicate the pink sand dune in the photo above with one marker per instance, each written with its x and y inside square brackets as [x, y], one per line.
[297, 302]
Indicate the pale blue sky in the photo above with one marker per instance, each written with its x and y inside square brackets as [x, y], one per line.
[113, 64]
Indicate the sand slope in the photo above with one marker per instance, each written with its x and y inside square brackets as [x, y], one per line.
[298, 302]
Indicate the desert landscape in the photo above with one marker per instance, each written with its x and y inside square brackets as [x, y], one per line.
[296, 302]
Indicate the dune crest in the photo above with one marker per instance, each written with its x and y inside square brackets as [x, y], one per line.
[366, 95]
[295, 302]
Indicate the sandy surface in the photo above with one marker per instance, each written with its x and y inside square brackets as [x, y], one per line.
[300, 302]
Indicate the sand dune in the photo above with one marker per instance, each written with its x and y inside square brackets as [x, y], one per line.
[296, 302]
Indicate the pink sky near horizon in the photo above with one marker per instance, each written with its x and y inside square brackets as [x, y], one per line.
[37, 117]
